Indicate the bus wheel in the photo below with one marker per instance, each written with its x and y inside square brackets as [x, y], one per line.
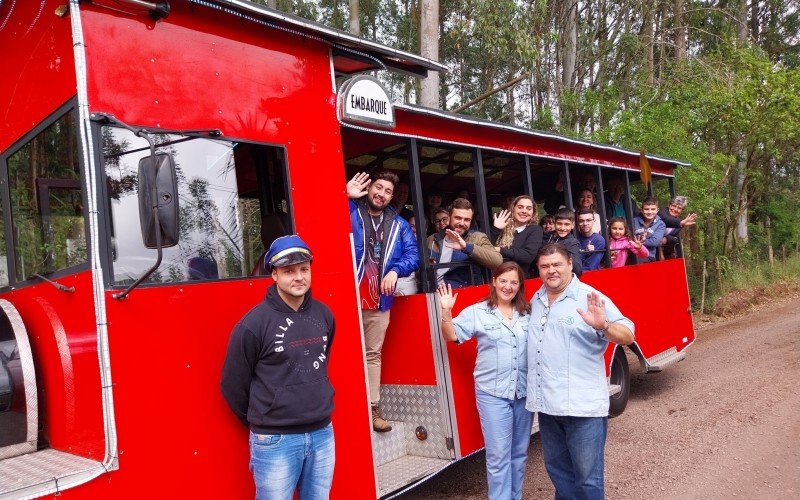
[621, 376]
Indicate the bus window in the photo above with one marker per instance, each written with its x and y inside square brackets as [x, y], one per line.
[233, 202]
[46, 197]
[504, 177]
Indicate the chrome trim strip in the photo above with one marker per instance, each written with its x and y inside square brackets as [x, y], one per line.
[442, 367]
[110, 461]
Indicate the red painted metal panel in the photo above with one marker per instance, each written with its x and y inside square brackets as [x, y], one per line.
[39, 69]
[655, 297]
[407, 355]
[61, 327]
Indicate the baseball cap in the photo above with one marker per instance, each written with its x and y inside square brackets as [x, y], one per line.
[287, 251]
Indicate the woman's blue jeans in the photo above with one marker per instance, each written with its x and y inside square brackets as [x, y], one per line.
[283, 463]
[574, 449]
[506, 426]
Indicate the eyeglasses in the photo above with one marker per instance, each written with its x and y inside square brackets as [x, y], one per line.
[443, 220]
[543, 319]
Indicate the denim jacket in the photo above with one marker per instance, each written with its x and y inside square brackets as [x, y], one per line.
[502, 365]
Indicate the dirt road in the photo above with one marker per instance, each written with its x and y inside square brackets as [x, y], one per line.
[724, 423]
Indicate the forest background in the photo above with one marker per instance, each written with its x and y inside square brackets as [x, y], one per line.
[713, 83]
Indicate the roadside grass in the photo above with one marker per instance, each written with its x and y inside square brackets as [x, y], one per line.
[761, 273]
[735, 288]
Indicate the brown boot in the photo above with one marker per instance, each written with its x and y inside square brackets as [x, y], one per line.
[378, 422]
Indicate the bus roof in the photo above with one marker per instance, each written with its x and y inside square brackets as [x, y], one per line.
[351, 54]
[532, 132]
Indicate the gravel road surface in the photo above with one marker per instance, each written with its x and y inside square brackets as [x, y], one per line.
[721, 424]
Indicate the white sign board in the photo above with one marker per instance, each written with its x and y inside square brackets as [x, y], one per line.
[363, 99]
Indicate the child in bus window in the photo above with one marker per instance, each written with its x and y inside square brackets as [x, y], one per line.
[564, 223]
[622, 242]
[548, 224]
[650, 225]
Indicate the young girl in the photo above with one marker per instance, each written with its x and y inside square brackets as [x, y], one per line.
[622, 241]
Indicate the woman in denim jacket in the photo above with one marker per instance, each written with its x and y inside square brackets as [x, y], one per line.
[500, 325]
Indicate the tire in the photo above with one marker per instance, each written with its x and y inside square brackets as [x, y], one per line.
[621, 376]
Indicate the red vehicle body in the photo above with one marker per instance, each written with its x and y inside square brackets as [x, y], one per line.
[127, 398]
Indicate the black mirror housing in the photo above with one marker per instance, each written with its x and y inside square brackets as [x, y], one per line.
[157, 178]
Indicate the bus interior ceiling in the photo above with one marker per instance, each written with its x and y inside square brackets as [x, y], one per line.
[448, 170]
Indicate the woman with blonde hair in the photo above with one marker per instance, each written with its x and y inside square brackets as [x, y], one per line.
[516, 234]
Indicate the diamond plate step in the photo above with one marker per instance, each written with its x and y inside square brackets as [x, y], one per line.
[41, 472]
[405, 470]
[388, 446]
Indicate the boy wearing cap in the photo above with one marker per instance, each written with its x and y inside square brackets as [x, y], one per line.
[275, 379]
[386, 250]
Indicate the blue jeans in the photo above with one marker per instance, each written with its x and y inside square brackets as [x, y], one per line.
[506, 427]
[281, 463]
[573, 455]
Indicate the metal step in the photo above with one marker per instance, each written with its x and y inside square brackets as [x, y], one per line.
[405, 470]
[389, 446]
[664, 359]
[43, 472]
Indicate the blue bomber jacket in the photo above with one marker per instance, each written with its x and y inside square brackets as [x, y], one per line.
[401, 254]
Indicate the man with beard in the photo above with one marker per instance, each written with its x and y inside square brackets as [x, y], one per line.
[459, 243]
[385, 249]
[275, 379]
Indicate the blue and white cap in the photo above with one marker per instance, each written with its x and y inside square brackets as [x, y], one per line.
[287, 251]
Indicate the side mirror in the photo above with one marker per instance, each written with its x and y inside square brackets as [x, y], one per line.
[157, 179]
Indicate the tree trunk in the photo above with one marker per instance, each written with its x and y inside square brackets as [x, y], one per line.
[648, 40]
[354, 24]
[569, 53]
[754, 19]
[429, 48]
[741, 23]
[741, 196]
[680, 33]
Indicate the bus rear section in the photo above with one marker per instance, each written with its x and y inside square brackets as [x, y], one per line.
[427, 387]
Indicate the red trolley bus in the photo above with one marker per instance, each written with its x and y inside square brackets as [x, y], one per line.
[149, 152]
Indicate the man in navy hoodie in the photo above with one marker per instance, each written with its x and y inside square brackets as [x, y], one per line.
[275, 379]
[385, 250]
